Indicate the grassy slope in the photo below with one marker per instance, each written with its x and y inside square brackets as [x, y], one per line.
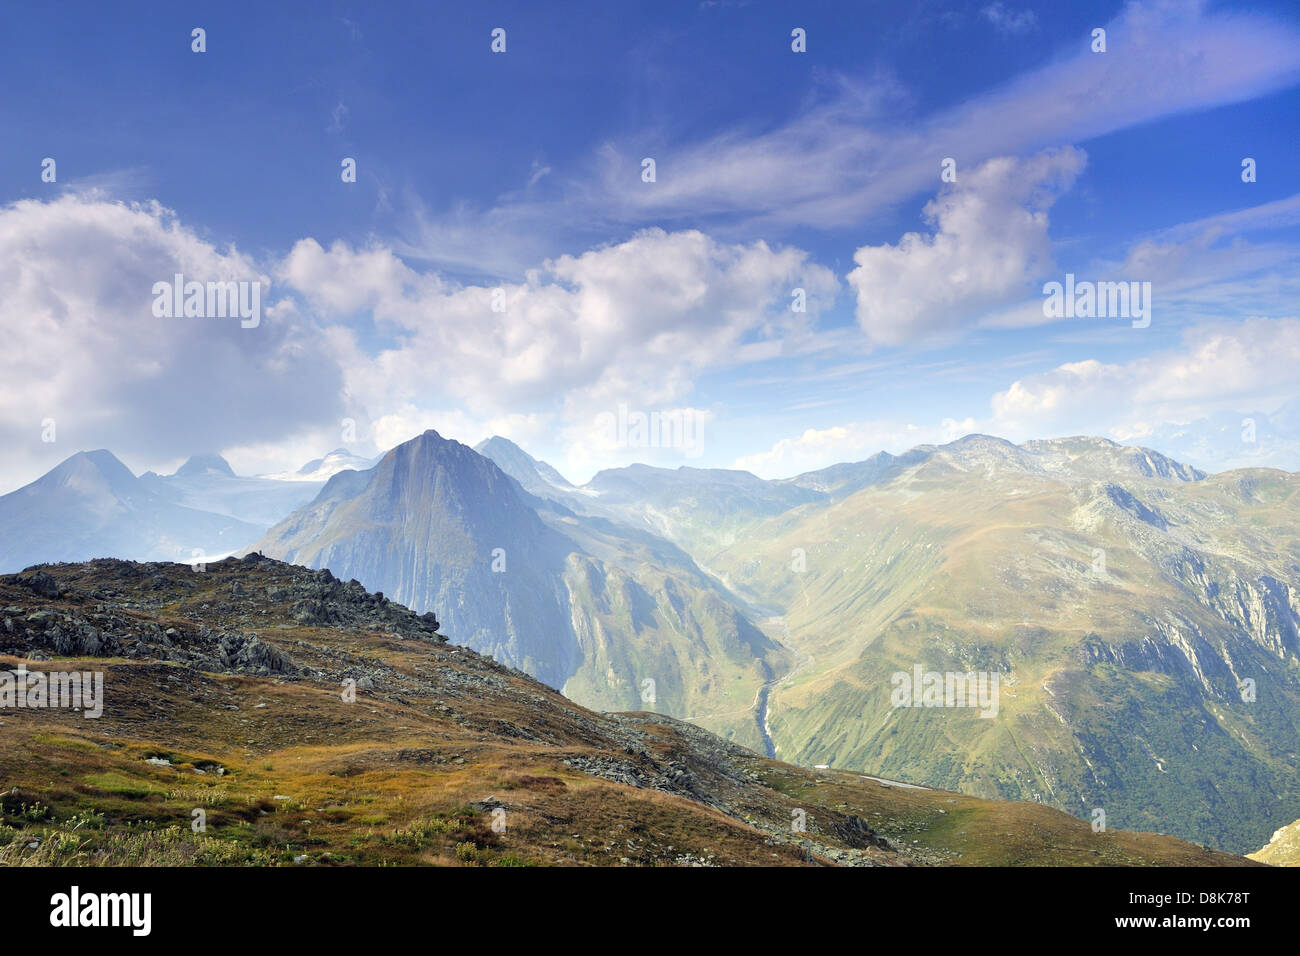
[395, 785]
[391, 777]
[699, 653]
[957, 571]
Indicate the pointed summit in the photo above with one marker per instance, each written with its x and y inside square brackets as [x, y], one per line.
[433, 525]
[100, 466]
[537, 477]
[88, 473]
[205, 465]
[326, 467]
[91, 506]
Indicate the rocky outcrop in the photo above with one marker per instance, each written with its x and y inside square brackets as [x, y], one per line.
[113, 616]
[1283, 849]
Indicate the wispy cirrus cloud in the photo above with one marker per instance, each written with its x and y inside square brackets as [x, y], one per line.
[856, 148]
[1225, 265]
[844, 158]
[1009, 21]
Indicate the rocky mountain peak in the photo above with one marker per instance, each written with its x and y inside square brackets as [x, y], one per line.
[208, 464]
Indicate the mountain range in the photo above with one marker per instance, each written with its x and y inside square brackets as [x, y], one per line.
[90, 505]
[594, 608]
[1142, 617]
[1228, 439]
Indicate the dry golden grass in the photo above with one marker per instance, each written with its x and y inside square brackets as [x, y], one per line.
[393, 777]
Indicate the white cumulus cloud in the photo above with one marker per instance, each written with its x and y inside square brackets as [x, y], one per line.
[84, 349]
[1217, 366]
[990, 242]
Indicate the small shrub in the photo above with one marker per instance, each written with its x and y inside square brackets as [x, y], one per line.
[420, 833]
[86, 820]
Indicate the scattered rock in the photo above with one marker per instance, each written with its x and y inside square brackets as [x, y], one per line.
[41, 583]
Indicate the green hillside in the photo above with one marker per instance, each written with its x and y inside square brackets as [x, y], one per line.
[1122, 599]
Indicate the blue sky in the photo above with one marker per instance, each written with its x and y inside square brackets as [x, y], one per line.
[522, 171]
